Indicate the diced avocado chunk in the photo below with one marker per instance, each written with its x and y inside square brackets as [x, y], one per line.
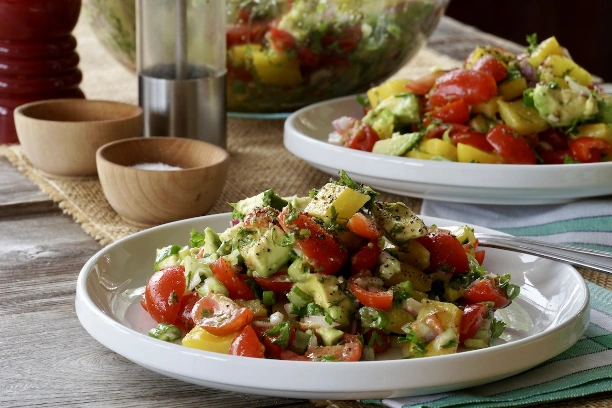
[300, 203]
[465, 235]
[329, 335]
[212, 242]
[399, 222]
[167, 256]
[299, 270]
[334, 198]
[382, 121]
[266, 255]
[212, 285]
[267, 198]
[389, 266]
[604, 105]
[398, 144]
[405, 107]
[325, 291]
[194, 270]
[563, 107]
[298, 298]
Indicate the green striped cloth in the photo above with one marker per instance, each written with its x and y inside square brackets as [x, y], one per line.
[585, 223]
[584, 369]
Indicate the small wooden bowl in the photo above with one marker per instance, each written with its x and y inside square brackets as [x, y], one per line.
[151, 197]
[61, 136]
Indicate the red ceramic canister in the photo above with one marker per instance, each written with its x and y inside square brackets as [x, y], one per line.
[38, 58]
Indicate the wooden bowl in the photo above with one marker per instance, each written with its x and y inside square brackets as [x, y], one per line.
[150, 197]
[61, 136]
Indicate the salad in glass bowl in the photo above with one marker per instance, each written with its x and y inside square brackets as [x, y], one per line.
[539, 107]
[334, 276]
[286, 54]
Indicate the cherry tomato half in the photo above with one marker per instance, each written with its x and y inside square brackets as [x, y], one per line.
[445, 252]
[453, 112]
[222, 269]
[280, 40]
[187, 303]
[365, 226]
[473, 315]
[589, 149]
[512, 147]
[471, 86]
[363, 137]
[247, 344]
[377, 339]
[164, 292]
[321, 249]
[366, 257]
[485, 290]
[278, 282]
[492, 66]
[474, 139]
[370, 295]
[349, 351]
[219, 315]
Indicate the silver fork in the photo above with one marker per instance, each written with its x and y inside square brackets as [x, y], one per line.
[589, 258]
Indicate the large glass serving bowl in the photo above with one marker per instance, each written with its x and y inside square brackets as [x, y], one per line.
[286, 54]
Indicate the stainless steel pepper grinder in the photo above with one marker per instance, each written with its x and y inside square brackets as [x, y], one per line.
[181, 68]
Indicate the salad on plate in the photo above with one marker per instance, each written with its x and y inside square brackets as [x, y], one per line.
[538, 107]
[334, 276]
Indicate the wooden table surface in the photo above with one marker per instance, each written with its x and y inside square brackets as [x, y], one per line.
[46, 357]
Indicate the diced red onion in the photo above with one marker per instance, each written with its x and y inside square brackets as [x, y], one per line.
[335, 138]
[423, 331]
[262, 323]
[317, 321]
[235, 222]
[412, 306]
[277, 317]
[576, 87]
[353, 327]
[368, 354]
[527, 70]
[343, 123]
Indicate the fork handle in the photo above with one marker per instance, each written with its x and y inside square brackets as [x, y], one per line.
[589, 258]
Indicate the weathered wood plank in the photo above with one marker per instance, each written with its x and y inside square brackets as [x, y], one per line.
[18, 195]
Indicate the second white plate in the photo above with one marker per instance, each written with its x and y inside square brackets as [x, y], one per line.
[306, 133]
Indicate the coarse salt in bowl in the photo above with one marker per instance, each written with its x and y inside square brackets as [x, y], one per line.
[154, 180]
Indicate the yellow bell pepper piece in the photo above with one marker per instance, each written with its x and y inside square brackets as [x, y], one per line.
[417, 154]
[439, 147]
[556, 67]
[398, 318]
[276, 68]
[512, 89]
[415, 254]
[601, 131]
[239, 54]
[344, 200]
[523, 119]
[389, 88]
[200, 339]
[488, 108]
[546, 48]
[471, 154]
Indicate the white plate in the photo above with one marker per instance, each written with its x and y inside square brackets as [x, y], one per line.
[306, 133]
[548, 317]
